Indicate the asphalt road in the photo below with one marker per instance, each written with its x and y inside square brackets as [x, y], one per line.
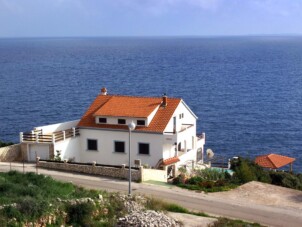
[267, 215]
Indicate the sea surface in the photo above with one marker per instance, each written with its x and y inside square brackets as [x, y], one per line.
[246, 91]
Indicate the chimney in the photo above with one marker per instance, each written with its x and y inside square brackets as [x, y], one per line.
[165, 100]
[103, 91]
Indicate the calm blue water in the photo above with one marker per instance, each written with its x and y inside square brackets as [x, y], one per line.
[246, 91]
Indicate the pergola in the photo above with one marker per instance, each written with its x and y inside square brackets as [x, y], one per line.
[274, 161]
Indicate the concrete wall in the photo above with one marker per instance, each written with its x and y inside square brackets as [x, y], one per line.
[11, 153]
[70, 149]
[122, 173]
[154, 175]
[58, 126]
[105, 153]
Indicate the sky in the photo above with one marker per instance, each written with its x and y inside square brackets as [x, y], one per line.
[65, 18]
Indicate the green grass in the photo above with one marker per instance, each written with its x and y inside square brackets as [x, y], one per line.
[225, 222]
[36, 196]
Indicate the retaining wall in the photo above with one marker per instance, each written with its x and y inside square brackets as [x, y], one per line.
[122, 173]
[10, 153]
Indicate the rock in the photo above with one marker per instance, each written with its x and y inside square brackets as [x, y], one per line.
[147, 218]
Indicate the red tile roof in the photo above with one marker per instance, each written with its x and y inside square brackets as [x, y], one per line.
[130, 106]
[171, 161]
[122, 106]
[273, 161]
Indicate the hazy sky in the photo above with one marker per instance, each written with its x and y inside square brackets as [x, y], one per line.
[35, 18]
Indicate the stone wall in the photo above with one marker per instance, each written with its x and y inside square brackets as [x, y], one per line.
[10, 153]
[115, 172]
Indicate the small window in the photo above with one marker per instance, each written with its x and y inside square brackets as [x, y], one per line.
[182, 115]
[92, 145]
[121, 121]
[102, 120]
[179, 116]
[119, 146]
[140, 122]
[143, 148]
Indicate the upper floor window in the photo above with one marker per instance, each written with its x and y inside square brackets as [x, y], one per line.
[143, 148]
[119, 146]
[92, 145]
[121, 121]
[102, 120]
[140, 122]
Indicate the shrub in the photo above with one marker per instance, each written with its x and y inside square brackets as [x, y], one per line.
[210, 174]
[195, 180]
[80, 214]
[286, 180]
[32, 208]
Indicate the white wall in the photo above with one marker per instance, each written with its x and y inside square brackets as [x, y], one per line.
[70, 149]
[58, 127]
[106, 154]
[188, 118]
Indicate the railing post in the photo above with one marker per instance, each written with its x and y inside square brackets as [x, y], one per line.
[53, 138]
[64, 135]
[21, 137]
[73, 131]
[37, 138]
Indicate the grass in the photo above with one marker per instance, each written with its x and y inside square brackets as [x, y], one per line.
[37, 196]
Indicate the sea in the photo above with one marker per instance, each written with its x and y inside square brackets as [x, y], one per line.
[246, 91]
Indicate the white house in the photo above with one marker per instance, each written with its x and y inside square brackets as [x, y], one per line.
[165, 133]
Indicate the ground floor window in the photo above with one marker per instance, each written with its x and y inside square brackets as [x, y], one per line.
[143, 148]
[92, 145]
[119, 146]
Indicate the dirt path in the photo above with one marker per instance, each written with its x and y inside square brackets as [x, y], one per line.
[264, 194]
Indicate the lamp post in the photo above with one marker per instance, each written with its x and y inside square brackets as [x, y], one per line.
[131, 127]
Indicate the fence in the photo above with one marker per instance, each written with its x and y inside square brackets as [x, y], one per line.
[121, 172]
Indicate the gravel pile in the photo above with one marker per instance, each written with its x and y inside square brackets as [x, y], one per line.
[148, 218]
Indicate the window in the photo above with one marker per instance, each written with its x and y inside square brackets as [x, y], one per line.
[182, 115]
[102, 120]
[179, 116]
[121, 121]
[92, 145]
[143, 148]
[119, 146]
[140, 122]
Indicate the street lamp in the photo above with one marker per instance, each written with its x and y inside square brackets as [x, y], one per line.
[131, 127]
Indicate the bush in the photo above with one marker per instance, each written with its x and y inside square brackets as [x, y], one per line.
[32, 208]
[210, 174]
[80, 214]
[286, 180]
[247, 171]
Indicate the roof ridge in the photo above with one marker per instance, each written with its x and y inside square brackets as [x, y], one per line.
[136, 96]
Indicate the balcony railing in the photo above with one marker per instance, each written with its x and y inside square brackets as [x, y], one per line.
[37, 136]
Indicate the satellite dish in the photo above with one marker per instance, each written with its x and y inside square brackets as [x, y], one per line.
[210, 153]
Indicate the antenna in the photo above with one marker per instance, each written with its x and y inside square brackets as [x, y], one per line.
[210, 153]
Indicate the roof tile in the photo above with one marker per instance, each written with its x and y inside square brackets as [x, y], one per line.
[273, 161]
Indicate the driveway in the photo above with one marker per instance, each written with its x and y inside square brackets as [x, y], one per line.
[218, 204]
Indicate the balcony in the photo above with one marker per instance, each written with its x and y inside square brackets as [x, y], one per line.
[37, 136]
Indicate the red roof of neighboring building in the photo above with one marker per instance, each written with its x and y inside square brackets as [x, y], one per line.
[130, 106]
[273, 161]
[170, 161]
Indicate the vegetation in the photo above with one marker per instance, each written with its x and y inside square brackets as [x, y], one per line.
[26, 198]
[208, 180]
[29, 197]
[245, 170]
[233, 223]
[4, 144]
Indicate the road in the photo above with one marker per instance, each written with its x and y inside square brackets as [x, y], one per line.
[267, 215]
